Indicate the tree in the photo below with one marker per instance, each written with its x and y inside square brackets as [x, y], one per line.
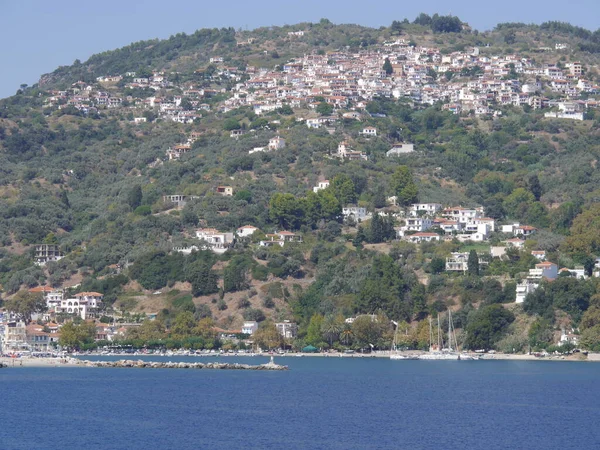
[423, 19]
[473, 263]
[387, 66]
[235, 274]
[74, 337]
[535, 187]
[267, 336]
[437, 265]
[313, 332]
[202, 277]
[343, 189]
[585, 232]
[404, 186]
[324, 108]
[396, 27]
[184, 324]
[486, 326]
[286, 211]
[331, 327]
[24, 304]
[231, 124]
[134, 197]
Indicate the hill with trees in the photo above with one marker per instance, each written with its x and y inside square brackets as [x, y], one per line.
[245, 126]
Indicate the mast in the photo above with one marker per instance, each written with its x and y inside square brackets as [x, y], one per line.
[439, 336]
[430, 334]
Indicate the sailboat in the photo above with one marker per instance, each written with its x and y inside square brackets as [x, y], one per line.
[440, 352]
[394, 352]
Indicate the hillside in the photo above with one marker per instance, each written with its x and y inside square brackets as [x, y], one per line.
[133, 174]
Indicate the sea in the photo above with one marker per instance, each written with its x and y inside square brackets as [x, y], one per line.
[320, 403]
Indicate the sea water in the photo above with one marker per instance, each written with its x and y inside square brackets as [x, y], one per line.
[320, 403]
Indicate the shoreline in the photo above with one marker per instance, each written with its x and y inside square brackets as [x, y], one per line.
[71, 361]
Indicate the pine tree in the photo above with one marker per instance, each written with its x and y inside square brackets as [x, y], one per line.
[473, 263]
[387, 66]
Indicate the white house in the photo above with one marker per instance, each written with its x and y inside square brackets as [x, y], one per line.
[459, 262]
[461, 214]
[249, 327]
[524, 288]
[424, 208]
[422, 237]
[287, 329]
[355, 212]
[320, 186]
[400, 149]
[276, 143]
[369, 131]
[416, 224]
[216, 241]
[246, 230]
[544, 270]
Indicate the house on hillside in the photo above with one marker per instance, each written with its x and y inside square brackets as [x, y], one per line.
[226, 191]
[417, 238]
[46, 253]
[215, 240]
[400, 149]
[246, 230]
[276, 143]
[320, 186]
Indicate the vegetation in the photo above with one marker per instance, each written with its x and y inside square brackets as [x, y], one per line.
[93, 184]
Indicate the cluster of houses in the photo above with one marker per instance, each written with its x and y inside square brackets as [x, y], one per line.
[464, 81]
[464, 224]
[220, 241]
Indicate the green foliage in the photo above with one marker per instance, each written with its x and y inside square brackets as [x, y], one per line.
[567, 294]
[486, 326]
[404, 187]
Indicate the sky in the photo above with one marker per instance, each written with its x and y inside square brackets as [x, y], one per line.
[38, 36]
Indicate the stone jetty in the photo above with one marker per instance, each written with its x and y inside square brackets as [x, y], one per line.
[140, 364]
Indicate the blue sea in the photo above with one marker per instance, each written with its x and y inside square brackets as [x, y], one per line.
[320, 403]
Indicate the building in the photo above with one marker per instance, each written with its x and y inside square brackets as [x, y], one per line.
[276, 143]
[369, 131]
[226, 191]
[461, 214]
[459, 262]
[249, 327]
[320, 186]
[354, 212]
[400, 149]
[37, 339]
[85, 305]
[15, 337]
[289, 330]
[177, 151]
[178, 199]
[545, 269]
[46, 253]
[422, 237]
[525, 288]
[246, 230]
[429, 209]
[415, 224]
[215, 240]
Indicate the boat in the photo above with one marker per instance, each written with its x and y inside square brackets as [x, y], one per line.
[441, 353]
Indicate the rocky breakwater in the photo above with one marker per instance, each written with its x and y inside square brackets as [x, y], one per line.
[140, 364]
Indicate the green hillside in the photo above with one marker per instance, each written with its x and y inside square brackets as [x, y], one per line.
[505, 120]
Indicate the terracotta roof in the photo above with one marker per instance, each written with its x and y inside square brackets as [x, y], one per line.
[89, 294]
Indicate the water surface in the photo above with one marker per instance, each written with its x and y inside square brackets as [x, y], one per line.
[320, 403]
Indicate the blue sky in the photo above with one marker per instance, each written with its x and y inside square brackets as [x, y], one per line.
[38, 36]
